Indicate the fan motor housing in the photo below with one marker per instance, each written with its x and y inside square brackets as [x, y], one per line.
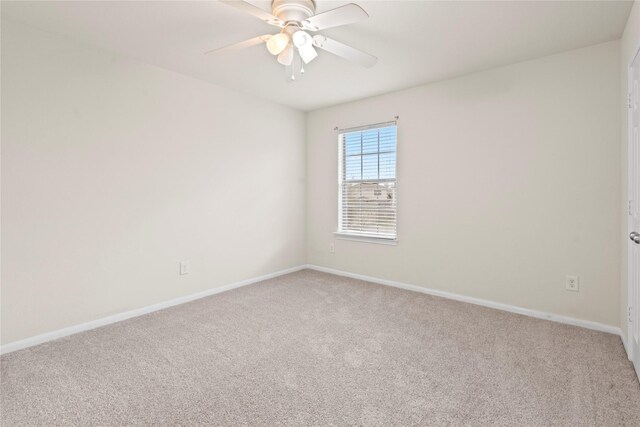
[293, 10]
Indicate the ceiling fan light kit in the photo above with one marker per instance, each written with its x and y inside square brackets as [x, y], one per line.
[294, 46]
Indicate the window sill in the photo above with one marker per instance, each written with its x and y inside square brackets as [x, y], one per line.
[393, 241]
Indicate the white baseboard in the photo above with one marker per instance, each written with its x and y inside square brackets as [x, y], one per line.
[477, 301]
[49, 336]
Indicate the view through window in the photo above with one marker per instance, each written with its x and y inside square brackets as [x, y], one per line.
[368, 204]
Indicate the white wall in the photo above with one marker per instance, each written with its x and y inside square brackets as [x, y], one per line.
[508, 180]
[113, 171]
[629, 44]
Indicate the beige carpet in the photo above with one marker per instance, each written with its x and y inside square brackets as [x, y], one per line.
[315, 349]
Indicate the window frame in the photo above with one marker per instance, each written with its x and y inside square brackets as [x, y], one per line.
[360, 236]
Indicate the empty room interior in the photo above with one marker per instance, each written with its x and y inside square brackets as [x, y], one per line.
[310, 213]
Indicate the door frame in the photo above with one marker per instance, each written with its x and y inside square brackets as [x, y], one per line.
[631, 164]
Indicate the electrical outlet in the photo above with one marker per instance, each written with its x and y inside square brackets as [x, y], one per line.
[332, 248]
[572, 283]
[184, 267]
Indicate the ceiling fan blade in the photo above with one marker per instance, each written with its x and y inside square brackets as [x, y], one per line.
[343, 51]
[255, 11]
[342, 15]
[241, 45]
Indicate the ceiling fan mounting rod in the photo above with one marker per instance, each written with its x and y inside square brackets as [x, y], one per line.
[291, 27]
[292, 24]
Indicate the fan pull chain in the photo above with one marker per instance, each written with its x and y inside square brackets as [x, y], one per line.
[295, 69]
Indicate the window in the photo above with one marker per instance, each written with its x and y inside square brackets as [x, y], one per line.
[367, 180]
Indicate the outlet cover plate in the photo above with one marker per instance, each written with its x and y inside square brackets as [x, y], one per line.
[184, 267]
[572, 283]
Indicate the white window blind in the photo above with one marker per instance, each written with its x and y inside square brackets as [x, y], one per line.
[367, 180]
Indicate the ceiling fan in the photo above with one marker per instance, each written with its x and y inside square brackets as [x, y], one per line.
[294, 46]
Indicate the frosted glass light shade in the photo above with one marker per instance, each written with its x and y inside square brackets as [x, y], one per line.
[286, 56]
[302, 39]
[278, 43]
[307, 53]
[304, 42]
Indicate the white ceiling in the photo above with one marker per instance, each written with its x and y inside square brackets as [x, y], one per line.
[416, 41]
